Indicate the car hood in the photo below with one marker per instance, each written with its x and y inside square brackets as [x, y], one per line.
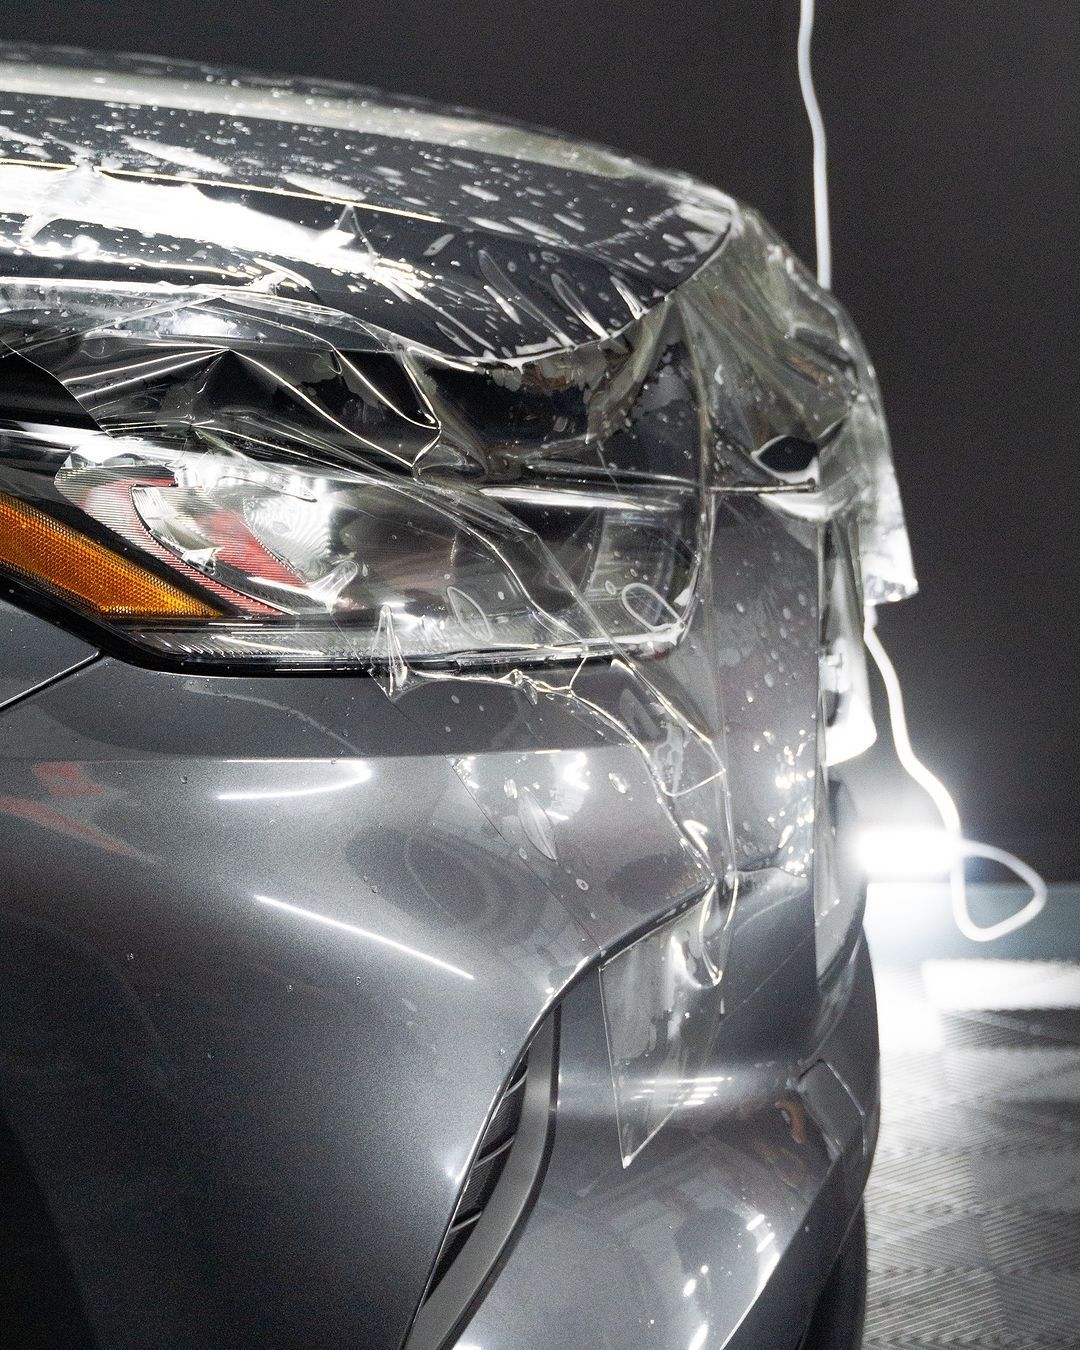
[464, 296]
[470, 236]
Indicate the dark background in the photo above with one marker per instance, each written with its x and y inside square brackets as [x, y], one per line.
[955, 173]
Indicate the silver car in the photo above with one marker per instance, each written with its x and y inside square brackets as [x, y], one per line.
[433, 559]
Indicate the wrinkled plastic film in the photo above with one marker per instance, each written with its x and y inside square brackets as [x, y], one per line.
[466, 407]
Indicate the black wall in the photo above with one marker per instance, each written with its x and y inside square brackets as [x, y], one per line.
[955, 140]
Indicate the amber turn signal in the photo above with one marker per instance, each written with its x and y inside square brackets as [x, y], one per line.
[81, 570]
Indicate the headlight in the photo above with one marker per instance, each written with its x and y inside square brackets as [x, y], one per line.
[211, 554]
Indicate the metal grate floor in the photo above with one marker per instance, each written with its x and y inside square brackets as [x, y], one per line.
[974, 1202]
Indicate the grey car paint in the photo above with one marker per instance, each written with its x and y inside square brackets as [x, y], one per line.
[34, 654]
[725, 1233]
[274, 1114]
[273, 943]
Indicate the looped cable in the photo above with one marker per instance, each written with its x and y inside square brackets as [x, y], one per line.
[938, 793]
[935, 789]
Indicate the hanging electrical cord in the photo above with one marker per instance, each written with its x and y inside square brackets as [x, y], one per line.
[959, 848]
[822, 227]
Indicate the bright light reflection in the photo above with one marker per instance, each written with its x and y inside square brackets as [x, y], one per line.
[697, 1340]
[573, 773]
[895, 852]
[354, 775]
[364, 933]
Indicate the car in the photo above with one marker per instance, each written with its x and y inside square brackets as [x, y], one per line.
[433, 563]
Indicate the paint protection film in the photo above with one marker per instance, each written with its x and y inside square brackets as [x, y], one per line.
[294, 380]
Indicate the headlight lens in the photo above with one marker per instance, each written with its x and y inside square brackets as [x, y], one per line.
[241, 558]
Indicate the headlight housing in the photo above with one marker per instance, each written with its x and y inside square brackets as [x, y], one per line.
[211, 554]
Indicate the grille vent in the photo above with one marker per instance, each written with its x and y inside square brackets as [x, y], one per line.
[486, 1170]
[503, 1181]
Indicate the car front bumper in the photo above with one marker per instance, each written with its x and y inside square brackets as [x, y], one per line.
[268, 958]
[723, 1231]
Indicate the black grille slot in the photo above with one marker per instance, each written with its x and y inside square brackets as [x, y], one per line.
[482, 1181]
[455, 1239]
[503, 1181]
[504, 1122]
[486, 1170]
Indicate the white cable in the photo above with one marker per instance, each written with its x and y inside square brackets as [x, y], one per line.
[938, 793]
[822, 231]
[935, 789]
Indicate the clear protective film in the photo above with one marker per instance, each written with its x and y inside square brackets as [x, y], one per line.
[297, 378]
